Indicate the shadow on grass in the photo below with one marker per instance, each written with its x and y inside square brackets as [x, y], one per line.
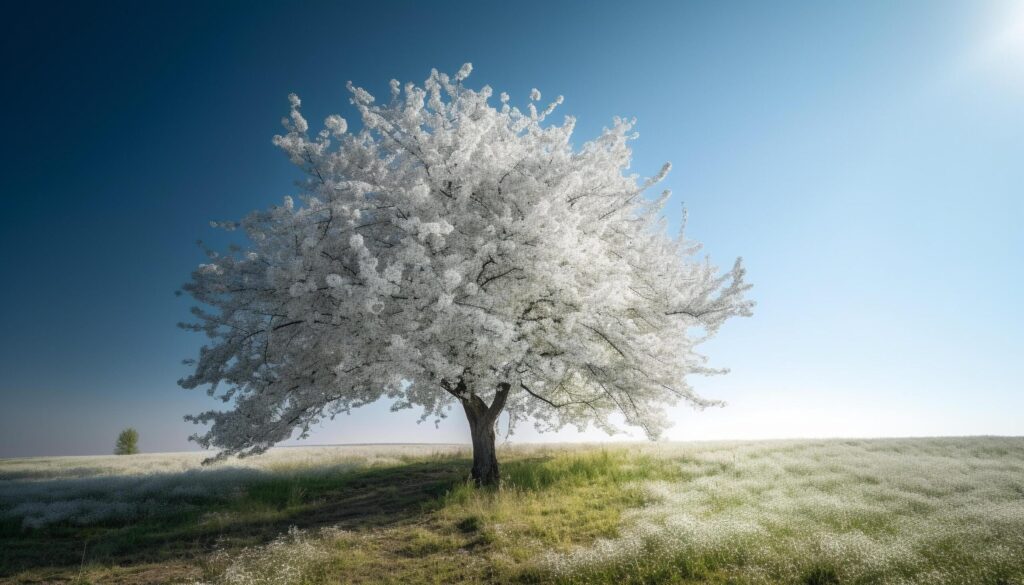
[247, 511]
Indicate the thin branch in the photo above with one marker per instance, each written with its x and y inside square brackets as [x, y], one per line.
[548, 402]
[605, 338]
[497, 276]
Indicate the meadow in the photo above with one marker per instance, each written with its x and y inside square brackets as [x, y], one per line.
[892, 511]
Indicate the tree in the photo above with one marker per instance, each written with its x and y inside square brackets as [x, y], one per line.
[127, 442]
[455, 253]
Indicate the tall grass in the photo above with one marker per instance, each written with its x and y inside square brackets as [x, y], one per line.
[898, 511]
[908, 511]
[38, 492]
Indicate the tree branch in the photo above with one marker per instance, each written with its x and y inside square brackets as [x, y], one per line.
[605, 337]
[550, 403]
[500, 397]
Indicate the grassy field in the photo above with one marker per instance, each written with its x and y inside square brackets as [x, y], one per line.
[928, 511]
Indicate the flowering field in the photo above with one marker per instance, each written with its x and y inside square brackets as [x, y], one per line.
[926, 511]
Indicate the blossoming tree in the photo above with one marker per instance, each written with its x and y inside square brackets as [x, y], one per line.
[448, 253]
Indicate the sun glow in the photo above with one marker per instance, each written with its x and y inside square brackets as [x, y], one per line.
[1003, 50]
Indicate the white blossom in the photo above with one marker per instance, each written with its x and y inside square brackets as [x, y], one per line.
[336, 124]
[509, 260]
[452, 278]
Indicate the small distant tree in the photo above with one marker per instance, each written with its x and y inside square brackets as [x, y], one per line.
[127, 442]
[455, 253]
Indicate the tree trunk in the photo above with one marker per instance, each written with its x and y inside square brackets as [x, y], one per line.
[485, 457]
[481, 426]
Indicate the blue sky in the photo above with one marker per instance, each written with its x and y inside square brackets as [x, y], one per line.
[865, 158]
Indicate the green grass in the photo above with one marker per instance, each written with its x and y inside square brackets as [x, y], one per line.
[252, 512]
[800, 512]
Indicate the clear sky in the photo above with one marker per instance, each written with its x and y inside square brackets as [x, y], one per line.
[865, 158]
